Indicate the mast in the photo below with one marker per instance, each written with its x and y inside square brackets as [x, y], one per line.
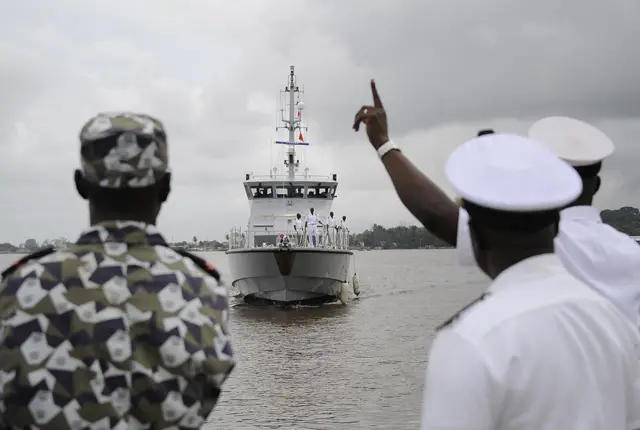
[292, 123]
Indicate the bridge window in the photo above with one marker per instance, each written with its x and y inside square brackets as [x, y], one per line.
[319, 192]
[288, 191]
[261, 192]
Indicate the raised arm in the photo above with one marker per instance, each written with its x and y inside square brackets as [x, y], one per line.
[423, 198]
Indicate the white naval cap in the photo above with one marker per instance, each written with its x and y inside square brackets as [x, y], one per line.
[511, 173]
[575, 141]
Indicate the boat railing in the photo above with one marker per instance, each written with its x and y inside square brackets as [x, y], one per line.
[287, 178]
[290, 238]
[237, 238]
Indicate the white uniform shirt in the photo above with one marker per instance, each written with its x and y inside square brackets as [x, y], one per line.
[312, 220]
[594, 252]
[331, 222]
[601, 256]
[343, 224]
[542, 352]
[298, 225]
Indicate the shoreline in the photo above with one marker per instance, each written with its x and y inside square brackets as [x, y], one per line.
[25, 252]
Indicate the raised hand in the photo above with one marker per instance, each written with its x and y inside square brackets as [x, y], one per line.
[375, 120]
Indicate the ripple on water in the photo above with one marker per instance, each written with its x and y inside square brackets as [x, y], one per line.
[336, 367]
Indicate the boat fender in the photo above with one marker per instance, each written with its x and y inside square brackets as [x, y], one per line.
[344, 293]
[356, 284]
[201, 263]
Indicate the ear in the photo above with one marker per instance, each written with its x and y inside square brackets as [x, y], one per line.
[479, 244]
[596, 186]
[477, 238]
[82, 187]
[165, 187]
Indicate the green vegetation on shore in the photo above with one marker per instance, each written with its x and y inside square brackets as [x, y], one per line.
[625, 219]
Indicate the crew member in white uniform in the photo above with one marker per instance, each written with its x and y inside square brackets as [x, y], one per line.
[343, 233]
[311, 224]
[331, 231]
[298, 227]
[592, 251]
[598, 254]
[540, 349]
[322, 231]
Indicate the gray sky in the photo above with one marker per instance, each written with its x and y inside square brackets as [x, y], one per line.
[212, 72]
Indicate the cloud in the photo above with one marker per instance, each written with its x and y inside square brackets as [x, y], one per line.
[212, 71]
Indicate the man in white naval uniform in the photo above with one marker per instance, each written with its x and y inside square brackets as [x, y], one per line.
[343, 233]
[331, 231]
[598, 254]
[540, 349]
[299, 228]
[589, 248]
[311, 224]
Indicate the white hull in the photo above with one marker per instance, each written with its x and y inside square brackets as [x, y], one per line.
[299, 275]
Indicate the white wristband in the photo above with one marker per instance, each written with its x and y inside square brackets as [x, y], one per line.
[389, 146]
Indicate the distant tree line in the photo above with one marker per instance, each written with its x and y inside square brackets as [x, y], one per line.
[204, 245]
[625, 219]
[400, 237]
[31, 245]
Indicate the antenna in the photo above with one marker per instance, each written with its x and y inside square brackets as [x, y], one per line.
[292, 121]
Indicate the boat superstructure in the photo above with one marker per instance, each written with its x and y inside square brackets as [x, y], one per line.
[272, 258]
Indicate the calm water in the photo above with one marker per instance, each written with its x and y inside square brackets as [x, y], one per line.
[359, 366]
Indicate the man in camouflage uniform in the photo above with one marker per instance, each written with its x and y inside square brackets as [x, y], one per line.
[118, 331]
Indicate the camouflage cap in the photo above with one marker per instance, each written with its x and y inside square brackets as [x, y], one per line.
[123, 150]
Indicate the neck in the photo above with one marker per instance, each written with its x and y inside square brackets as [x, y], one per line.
[499, 261]
[589, 188]
[584, 200]
[99, 217]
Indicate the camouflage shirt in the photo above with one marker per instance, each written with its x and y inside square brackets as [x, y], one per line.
[116, 332]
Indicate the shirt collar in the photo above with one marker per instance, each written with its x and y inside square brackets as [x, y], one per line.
[580, 212]
[129, 232]
[530, 269]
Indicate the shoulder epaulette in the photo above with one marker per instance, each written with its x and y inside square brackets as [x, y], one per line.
[461, 311]
[201, 263]
[29, 257]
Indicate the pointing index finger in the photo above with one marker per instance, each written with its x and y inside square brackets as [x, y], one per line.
[376, 97]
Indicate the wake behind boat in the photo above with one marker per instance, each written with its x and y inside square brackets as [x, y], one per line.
[275, 259]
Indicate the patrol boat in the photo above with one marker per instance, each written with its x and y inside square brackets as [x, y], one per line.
[268, 261]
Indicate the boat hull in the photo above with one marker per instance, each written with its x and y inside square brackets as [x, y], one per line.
[296, 276]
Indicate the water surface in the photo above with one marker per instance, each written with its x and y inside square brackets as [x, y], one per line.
[359, 366]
